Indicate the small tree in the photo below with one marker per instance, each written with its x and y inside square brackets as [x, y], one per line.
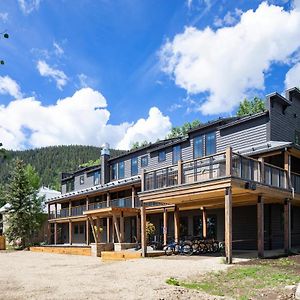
[183, 130]
[253, 106]
[150, 230]
[25, 214]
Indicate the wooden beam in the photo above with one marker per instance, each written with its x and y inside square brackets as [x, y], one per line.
[260, 227]
[55, 205]
[228, 225]
[55, 233]
[287, 226]
[165, 229]
[138, 228]
[143, 231]
[176, 224]
[132, 196]
[98, 232]
[204, 223]
[228, 161]
[143, 180]
[262, 169]
[179, 172]
[107, 230]
[70, 233]
[93, 229]
[116, 226]
[287, 167]
[70, 208]
[108, 199]
[87, 232]
[122, 229]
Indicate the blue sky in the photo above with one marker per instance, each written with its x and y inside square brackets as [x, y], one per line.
[56, 48]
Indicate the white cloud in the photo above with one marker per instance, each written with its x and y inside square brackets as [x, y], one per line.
[229, 19]
[292, 77]
[156, 126]
[80, 119]
[59, 76]
[229, 62]
[189, 3]
[58, 50]
[28, 6]
[10, 87]
[4, 17]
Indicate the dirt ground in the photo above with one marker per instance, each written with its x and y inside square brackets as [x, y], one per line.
[32, 275]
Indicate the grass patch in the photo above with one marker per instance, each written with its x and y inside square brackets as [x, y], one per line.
[246, 281]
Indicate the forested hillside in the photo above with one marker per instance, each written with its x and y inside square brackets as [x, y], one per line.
[49, 162]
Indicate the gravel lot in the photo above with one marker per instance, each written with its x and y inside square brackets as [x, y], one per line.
[32, 275]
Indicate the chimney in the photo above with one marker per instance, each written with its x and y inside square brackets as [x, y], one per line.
[105, 154]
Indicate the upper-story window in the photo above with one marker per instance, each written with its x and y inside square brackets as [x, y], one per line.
[97, 178]
[198, 146]
[144, 161]
[121, 170]
[210, 144]
[70, 185]
[114, 170]
[134, 166]
[176, 154]
[81, 179]
[161, 155]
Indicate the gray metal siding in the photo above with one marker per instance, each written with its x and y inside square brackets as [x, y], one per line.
[283, 125]
[244, 135]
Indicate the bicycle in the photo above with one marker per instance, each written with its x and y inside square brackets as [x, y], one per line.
[182, 248]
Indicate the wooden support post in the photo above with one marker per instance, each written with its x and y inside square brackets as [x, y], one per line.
[287, 168]
[70, 232]
[165, 229]
[228, 225]
[138, 228]
[70, 209]
[98, 230]
[228, 161]
[143, 231]
[180, 172]
[93, 228]
[262, 169]
[87, 232]
[287, 226]
[55, 205]
[143, 180]
[49, 233]
[108, 200]
[87, 203]
[55, 233]
[116, 226]
[260, 227]
[107, 230]
[176, 224]
[204, 223]
[122, 229]
[48, 211]
[132, 197]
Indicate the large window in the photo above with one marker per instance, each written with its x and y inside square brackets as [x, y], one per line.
[114, 175]
[97, 178]
[198, 146]
[144, 161]
[134, 166]
[81, 179]
[176, 154]
[70, 186]
[210, 145]
[161, 155]
[121, 170]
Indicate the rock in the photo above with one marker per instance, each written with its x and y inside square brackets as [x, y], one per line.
[289, 287]
[297, 294]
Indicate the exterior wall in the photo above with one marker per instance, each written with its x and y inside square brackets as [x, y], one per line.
[283, 125]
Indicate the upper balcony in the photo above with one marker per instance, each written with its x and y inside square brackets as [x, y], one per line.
[226, 166]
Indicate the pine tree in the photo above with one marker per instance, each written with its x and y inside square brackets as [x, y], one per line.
[248, 107]
[25, 215]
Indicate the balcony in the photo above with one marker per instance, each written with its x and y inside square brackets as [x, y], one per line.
[220, 166]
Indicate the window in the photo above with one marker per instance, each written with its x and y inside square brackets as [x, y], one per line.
[134, 166]
[97, 178]
[76, 229]
[161, 155]
[121, 170]
[198, 146]
[81, 179]
[114, 170]
[176, 154]
[210, 145]
[144, 161]
[81, 229]
[297, 137]
[70, 186]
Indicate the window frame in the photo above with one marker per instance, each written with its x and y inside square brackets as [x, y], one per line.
[200, 137]
[114, 171]
[215, 143]
[81, 179]
[123, 170]
[144, 157]
[135, 165]
[164, 157]
[173, 158]
[99, 177]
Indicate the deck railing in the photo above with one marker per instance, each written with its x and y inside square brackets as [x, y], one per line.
[295, 179]
[63, 213]
[217, 166]
[121, 202]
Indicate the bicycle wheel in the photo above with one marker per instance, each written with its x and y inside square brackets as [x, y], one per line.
[216, 247]
[202, 248]
[195, 247]
[168, 250]
[176, 249]
[187, 249]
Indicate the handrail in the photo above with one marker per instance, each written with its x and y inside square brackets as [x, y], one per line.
[294, 173]
[274, 167]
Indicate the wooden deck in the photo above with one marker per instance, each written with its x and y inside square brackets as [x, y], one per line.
[60, 249]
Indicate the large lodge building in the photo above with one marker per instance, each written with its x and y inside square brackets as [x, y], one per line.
[233, 179]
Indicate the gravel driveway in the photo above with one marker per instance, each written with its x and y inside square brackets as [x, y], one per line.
[29, 275]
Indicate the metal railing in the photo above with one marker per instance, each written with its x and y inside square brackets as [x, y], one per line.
[121, 202]
[77, 210]
[63, 213]
[97, 205]
[295, 181]
[202, 169]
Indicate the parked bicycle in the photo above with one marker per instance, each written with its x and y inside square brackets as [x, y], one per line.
[182, 248]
